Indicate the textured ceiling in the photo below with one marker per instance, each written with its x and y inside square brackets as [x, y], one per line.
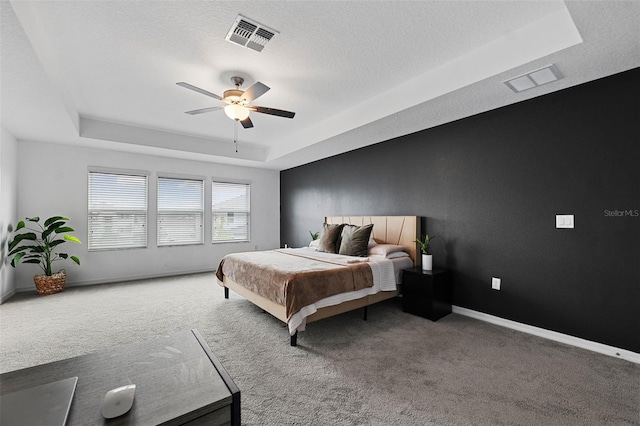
[103, 73]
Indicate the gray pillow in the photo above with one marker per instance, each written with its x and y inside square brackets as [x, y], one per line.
[329, 238]
[355, 240]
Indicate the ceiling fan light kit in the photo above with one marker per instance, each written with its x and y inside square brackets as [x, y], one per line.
[232, 95]
[236, 112]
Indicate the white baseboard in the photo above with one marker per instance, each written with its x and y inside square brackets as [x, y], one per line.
[122, 279]
[551, 335]
[6, 296]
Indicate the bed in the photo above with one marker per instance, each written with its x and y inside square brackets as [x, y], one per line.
[300, 286]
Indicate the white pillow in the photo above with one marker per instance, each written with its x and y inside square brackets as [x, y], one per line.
[397, 254]
[384, 249]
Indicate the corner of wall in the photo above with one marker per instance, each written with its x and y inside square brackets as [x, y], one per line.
[8, 209]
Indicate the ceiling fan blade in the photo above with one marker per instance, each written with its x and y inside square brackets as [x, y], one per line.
[255, 91]
[246, 123]
[199, 90]
[273, 111]
[202, 110]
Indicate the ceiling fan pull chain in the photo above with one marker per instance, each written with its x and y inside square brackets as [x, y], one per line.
[235, 134]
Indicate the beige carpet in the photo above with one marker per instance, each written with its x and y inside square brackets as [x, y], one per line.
[394, 369]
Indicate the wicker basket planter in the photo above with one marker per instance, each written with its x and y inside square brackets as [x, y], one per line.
[38, 243]
[46, 284]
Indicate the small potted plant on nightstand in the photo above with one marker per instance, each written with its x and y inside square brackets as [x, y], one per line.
[40, 246]
[427, 259]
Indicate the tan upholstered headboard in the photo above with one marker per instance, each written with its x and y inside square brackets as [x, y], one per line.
[400, 230]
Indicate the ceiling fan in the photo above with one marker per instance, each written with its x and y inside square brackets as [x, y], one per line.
[238, 102]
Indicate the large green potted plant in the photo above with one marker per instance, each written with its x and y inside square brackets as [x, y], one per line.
[39, 245]
[427, 259]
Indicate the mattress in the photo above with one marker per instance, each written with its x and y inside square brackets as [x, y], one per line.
[304, 280]
[298, 321]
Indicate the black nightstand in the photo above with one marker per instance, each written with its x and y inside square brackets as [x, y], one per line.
[426, 293]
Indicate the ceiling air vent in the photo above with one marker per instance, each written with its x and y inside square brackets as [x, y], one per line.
[250, 34]
[534, 79]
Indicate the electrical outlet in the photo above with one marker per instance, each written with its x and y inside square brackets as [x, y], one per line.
[495, 283]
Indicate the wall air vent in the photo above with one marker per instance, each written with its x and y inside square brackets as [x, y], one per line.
[250, 34]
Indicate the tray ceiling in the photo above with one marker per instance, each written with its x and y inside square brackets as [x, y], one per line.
[103, 73]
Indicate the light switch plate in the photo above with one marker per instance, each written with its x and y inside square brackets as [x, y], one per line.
[495, 283]
[564, 221]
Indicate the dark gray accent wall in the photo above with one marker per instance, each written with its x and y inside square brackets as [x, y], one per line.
[489, 187]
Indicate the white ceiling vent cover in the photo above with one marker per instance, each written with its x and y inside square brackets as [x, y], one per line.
[250, 34]
[534, 79]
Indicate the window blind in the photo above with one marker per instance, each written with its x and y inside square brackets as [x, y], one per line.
[117, 211]
[180, 211]
[231, 211]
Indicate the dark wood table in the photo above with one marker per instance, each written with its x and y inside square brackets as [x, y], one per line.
[178, 381]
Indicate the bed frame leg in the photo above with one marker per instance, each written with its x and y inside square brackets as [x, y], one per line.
[226, 292]
[294, 339]
[364, 315]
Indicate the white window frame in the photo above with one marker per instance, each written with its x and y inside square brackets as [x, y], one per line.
[94, 212]
[217, 235]
[162, 214]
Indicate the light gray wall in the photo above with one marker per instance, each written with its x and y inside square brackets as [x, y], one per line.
[53, 180]
[8, 208]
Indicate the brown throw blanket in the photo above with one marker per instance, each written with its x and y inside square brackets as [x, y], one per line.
[294, 278]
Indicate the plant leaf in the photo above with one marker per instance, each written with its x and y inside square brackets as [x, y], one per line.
[54, 219]
[32, 261]
[19, 249]
[26, 236]
[75, 259]
[61, 229]
[33, 219]
[54, 243]
[63, 255]
[71, 238]
[32, 256]
[51, 229]
[20, 225]
[16, 259]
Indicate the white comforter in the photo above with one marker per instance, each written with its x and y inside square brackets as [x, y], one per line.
[384, 279]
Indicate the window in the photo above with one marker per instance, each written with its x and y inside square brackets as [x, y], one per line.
[117, 211]
[231, 211]
[180, 211]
